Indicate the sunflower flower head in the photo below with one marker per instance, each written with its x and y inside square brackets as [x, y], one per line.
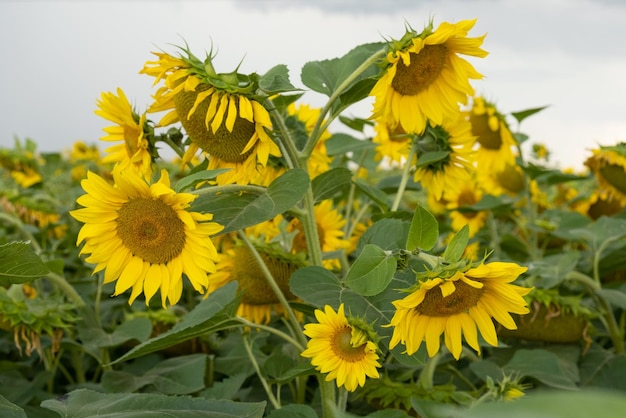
[131, 129]
[456, 304]
[608, 164]
[221, 112]
[344, 348]
[424, 78]
[143, 236]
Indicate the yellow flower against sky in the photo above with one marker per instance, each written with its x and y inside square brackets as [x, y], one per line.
[220, 114]
[425, 78]
[134, 149]
[346, 352]
[456, 306]
[143, 236]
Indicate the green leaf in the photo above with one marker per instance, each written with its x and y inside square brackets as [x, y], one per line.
[424, 230]
[316, 285]
[325, 76]
[181, 375]
[293, 411]
[431, 157]
[225, 389]
[387, 233]
[341, 143]
[10, 410]
[523, 114]
[357, 92]
[327, 184]
[83, 403]
[552, 269]
[212, 314]
[276, 80]
[237, 210]
[371, 272]
[194, 178]
[378, 196]
[456, 247]
[138, 329]
[615, 297]
[543, 366]
[19, 264]
[490, 202]
[602, 368]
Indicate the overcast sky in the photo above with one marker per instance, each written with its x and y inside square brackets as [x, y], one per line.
[58, 56]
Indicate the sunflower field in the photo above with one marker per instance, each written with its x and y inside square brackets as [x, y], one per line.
[423, 260]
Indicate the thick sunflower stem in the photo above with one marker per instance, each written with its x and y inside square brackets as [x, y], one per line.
[309, 224]
[67, 288]
[286, 143]
[406, 172]
[428, 372]
[291, 316]
[328, 396]
[321, 122]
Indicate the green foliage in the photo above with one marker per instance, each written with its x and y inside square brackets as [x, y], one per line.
[19, 264]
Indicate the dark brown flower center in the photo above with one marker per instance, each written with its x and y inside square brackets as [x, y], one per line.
[614, 175]
[423, 70]
[252, 281]
[222, 143]
[343, 349]
[463, 298]
[488, 139]
[151, 230]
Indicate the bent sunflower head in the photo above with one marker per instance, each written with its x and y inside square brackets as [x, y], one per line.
[221, 113]
[608, 165]
[425, 79]
[143, 236]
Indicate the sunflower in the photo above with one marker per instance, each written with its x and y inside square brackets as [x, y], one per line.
[458, 305]
[130, 128]
[319, 160]
[218, 111]
[468, 194]
[393, 144]
[452, 144]
[143, 236]
[258, 300]
[508, 181]
[494, 140]
[346, 351]
[608, 165]
[425, 79]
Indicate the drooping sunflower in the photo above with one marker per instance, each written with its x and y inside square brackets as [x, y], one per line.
[451, 143]
[494, 141]
[425, 79]
[131, 129]
[393, 144]
[608, 164]
[220, 113]
[258, 300]
[143, 235]
[344, 350]
[456, 306]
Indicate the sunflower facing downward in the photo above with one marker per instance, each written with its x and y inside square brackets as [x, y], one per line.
[143, 236]
[130, 128]
[425, 79]
[608, 165]
[219, 112]
[345, 351]
[456, 306]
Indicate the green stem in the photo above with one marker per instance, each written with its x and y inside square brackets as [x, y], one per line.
[425, 380]
[406, 172]
[531, 211]
[327, 394]
[271, 330]
[255, 364]
[178, 150]
[19, 224]
[317, 130]
[342, 399]
[291, 316]
[309, 224]
[290, 153]
[67, 288]
[494, 237]
[229, 188]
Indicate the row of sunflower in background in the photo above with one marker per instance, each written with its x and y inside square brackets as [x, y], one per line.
[309, 262]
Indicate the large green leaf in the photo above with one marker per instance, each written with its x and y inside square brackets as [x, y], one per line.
[276, 80]
[10, 410]
[456, 247]
[424, 230]
[83, 403]
[316, 285]
[19, 264]
[293, 411]
[240, 209]
[371, 272]
[181, 375]
[325, 76]
[543, 366]
[197, 177]
[138, 329]
[340, 143]
[387, 233]
[327, 184]
[212, 314]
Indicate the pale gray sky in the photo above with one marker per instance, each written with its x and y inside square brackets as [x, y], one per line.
[58, 56]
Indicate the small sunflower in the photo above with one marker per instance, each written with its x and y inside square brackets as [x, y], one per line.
[346, 351]
[452, 142]
[258, 300]
[425, 79]
[608, 165]
[494, 140]
[219, 112]
[143, 235]
[468, 194]
[508, 181]
[130, 128]
[456, 306]
[393, 144]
